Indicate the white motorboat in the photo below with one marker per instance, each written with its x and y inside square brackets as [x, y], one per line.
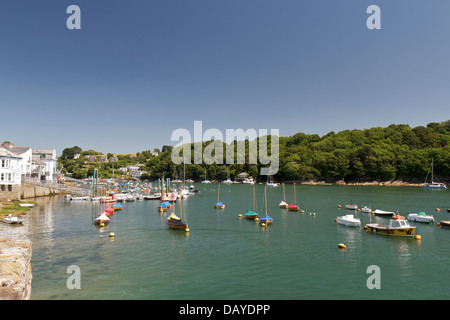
[383, 213]
[349, 220]
[79, 198]
[420, 217]
[366, 209]
[351, 206]
[12, 220]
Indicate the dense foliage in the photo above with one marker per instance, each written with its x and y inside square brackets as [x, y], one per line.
[395, 152]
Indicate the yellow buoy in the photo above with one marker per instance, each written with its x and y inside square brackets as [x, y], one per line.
[102, 224]
[187, 229]
[240, 215]
[263, 224]
[303, 211]
[111, 234]
[313, 213]
[418, 237]
[342, 246]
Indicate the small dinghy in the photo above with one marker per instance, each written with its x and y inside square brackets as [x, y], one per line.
[349, 220]
[12, 220]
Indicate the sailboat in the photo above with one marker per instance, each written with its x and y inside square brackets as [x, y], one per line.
[293, 206]
[283, 203]
[270, 182]
[266, 220]
[206, 180]
[228, 181]
[433, 185]
[252, 214]
[219, 204]
[174, 222]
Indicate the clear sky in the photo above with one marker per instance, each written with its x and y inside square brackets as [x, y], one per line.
[139, 69]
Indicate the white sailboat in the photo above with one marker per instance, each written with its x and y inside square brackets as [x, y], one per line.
[433, 185]
[228, 181]
[206, 180]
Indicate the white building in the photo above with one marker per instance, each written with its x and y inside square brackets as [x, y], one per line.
[10, 172]
[49, 161]
[26, 158]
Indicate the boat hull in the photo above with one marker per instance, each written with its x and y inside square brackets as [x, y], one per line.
[383, 213]
[417, 218]
[385, 230]
[12, 221]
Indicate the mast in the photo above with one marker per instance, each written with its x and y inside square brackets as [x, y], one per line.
[218, 193]
[284, 194]
[294, 192]
[254, 198]
[265, 196]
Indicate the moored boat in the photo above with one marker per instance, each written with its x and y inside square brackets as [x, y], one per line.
[398, 226]
[351, 206]
[10, 219]
[250, 215]
[444, 224]
[283, 205]
[366, 209]
[102, 219]
[349, 220]
[383, 213]
[219, 205]
[118, 207]
[420, 217]
[266, 220]
[26, 205]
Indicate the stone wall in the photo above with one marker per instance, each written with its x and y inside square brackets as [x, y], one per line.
[9, 192]
[15, 269]
[32, 191]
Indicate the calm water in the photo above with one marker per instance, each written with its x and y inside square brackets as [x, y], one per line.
[227, 257]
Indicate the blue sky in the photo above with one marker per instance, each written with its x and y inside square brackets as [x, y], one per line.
[139, 69]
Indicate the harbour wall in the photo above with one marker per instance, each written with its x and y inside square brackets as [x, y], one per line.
[25, 191]
[15, 269]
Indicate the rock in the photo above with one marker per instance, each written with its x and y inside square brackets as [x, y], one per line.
[15, 269]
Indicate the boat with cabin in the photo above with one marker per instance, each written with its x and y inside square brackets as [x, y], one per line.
[420, 217]
[349, 220]
[398, 226]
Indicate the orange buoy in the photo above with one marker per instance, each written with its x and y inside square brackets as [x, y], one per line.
[418, 237]
[339, 206]
[342, 246]
[437, 209]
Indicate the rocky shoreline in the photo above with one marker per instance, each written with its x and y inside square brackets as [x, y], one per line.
[15, 269]
[388, 183]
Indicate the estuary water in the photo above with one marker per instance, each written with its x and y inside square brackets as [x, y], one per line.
[227, 257]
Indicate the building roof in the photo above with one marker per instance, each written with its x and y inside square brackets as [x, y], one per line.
[19, 150]
[4, 152]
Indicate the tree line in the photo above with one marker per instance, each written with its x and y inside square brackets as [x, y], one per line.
[396, 152]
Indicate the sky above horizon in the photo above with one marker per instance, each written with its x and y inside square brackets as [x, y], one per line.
[137, 70]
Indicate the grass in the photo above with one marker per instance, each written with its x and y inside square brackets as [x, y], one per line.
[12, 207]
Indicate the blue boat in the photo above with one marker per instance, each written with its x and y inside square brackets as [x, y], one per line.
[266, 219]
[118, 207]
[219, 205]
